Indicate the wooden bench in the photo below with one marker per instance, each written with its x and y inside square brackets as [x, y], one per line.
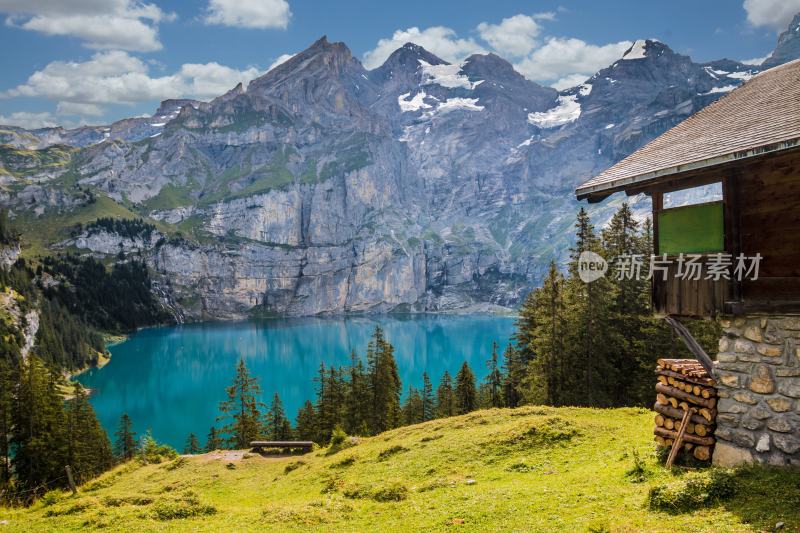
[286, 446]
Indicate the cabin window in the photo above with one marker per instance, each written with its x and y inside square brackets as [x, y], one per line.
[693, 196]
[691, 221]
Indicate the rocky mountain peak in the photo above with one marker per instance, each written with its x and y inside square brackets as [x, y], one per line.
[173, 106]
[403, 65]
[646, 49]
[319, 61]
[483, 66]
[788, 47]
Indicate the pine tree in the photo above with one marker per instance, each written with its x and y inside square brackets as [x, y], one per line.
[7, 383]
[549, 373]
[213, 442]
[428, 399]
[514, 372]
[39, 438]
[385, 384]
[590, 336]
[628, 308]
[494, 380]
[466, 395]
[242, 409]
[125, 445]
[7, 233]
[445, 401]
[89, 451]
[278, 426]
[357, 401]
[306, 422]
[412, 409]
[330, 408]
[192, 446]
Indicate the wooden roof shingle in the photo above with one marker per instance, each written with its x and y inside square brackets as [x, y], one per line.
[762, 115]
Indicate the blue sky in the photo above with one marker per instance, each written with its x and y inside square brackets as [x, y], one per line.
[94, 61]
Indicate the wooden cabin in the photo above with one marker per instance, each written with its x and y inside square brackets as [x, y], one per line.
[725, 189]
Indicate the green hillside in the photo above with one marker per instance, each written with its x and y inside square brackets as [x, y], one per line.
[526, 469]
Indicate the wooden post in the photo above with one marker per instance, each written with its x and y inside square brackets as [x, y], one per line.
[679, 440]
[71, 481]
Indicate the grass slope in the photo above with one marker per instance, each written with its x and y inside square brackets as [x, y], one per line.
[527, 469]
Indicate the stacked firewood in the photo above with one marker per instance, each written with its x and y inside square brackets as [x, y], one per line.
[684, 385]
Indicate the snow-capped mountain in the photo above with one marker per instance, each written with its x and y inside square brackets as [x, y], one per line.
[323, 187]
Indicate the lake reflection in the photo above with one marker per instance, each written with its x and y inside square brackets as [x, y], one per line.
[171, 380]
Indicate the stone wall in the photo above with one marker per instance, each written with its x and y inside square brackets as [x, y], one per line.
[758, 367]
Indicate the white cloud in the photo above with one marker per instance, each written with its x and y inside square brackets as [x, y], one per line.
[118, 24]
[258, 14]
[116, 77]
[283, 58]
[561, 58]
[561, 62]
[515, 36]
[27, 120]
[75, 108]
[438, 40]
[754, 61]
[775, 14]
[566, 82]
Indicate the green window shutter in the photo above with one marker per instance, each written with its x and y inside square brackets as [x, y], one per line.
[691, 229]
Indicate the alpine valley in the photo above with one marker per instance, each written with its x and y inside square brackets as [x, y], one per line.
[323, 187]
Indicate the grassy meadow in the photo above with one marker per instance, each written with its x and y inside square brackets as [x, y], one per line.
[525, 469]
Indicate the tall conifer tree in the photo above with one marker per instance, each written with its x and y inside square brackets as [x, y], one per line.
[125, 444]
[213, 441]
[494, 380]
[427, 398]
[445, 401]
[242, 409]
[466, 394]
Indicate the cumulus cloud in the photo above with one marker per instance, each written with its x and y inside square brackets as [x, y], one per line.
[438, 40]
[514, 36]
[569, 81]
[83, 110]
[775, 14]
[565, 59]
[28, 120]
[100, 24]
[258, 14]
[754, 61]
[116, 77]
[283, 58]
[558, 61]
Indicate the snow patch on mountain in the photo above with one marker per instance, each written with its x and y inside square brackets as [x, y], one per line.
[451, 104]
[568, 110]
[414, 104]
[446, 75]
[724, 89]
[637, 51]
[744, 76]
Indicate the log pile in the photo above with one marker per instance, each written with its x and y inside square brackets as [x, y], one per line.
[683, 384]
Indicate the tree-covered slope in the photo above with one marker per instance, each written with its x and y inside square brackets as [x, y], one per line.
[526, 469]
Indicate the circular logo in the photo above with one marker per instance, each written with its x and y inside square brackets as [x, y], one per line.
[591, 266]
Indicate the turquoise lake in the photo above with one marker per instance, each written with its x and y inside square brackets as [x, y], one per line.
[172, 379]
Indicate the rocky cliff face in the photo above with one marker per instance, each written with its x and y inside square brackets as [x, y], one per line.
[324, 188]
[788, 48]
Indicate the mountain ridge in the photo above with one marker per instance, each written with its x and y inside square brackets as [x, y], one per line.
[322, 187]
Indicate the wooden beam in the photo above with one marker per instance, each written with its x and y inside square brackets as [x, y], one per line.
[679, 439]
[691, 344]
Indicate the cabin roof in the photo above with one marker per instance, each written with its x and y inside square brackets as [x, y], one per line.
[762, 115]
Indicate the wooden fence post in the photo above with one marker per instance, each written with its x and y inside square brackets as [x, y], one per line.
[71, 481]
